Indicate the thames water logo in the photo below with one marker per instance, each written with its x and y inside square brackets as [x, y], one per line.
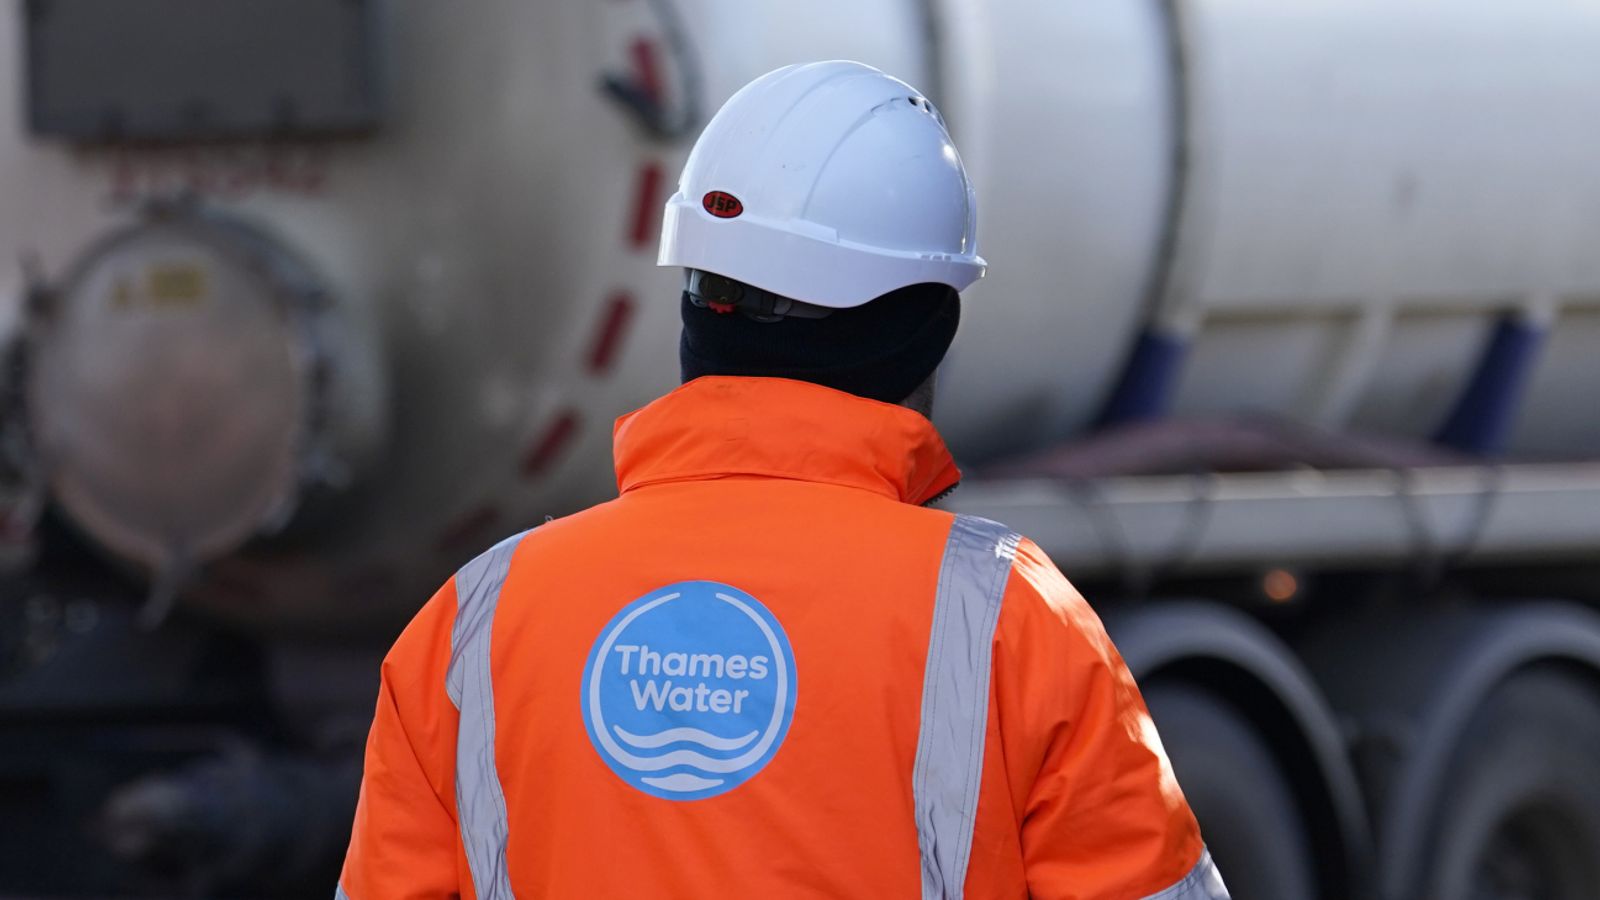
[689, 690]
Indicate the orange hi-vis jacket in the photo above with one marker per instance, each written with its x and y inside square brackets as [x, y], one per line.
[766, 670]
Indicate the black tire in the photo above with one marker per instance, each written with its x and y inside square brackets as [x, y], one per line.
[1246, 809]
[1519, 817]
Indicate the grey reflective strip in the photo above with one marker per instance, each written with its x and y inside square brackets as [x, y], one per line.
[480, 801]
[339, 894]
[955, 699]
[1203, 882]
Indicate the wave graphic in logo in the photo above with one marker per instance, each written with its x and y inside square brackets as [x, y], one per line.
[673, 735]
[689, 690]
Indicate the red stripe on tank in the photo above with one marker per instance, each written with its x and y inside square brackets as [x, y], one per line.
[550, 445]
[646, 69]
[466, 529]
[608, 339]
[646, 206]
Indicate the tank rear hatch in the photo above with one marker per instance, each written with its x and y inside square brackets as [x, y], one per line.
[181, 390]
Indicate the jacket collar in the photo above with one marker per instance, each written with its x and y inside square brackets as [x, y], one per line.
[716, 426]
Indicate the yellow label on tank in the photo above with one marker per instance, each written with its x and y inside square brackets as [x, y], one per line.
[175, 284]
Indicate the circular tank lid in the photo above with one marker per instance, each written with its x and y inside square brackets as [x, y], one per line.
[171, 390]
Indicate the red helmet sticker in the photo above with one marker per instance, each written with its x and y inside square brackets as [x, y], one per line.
[722, 204]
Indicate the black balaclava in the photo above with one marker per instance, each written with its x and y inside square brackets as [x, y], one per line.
[881, 350]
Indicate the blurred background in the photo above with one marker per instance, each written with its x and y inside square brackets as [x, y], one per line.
[1289, 354]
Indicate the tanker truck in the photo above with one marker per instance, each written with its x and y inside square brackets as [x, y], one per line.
[1286, 355]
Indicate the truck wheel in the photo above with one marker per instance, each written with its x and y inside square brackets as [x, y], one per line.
[1246, 810]
[1520, 809]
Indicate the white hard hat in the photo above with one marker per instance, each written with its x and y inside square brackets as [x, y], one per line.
[830, 183]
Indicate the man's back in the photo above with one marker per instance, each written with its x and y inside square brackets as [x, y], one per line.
[835, 566]
[753, 675]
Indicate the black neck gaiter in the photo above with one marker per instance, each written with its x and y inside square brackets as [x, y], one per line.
[881, 350]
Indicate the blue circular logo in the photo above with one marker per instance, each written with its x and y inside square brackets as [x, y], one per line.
[689, 690]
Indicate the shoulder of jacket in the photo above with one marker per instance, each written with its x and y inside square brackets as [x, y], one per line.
[1038, 592]
[500, 551]
[1027, 560]
[532, 534]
